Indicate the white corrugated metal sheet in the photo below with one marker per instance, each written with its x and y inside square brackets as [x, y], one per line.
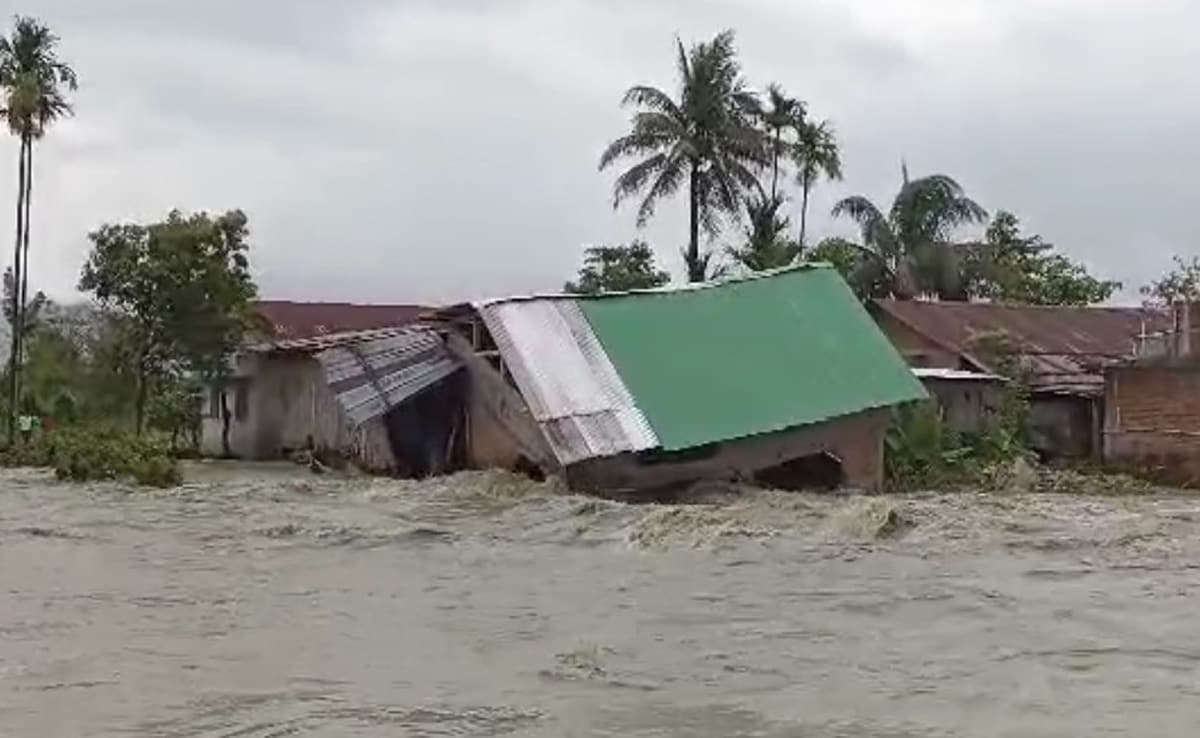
[571, 386]
[371, 376]
[957, 375]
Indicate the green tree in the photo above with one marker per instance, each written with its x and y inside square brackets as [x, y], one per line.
[817, 155]
[911, 246]
[617, 269]
[1181, 284]
[184, 287]
[34, 83]
[861, 273]
[768, 245]
[782, 119]
[706, 138]
[32, 311]
[1011, 267]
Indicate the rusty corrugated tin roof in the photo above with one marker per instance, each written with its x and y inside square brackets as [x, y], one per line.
[1066, 348]
[571, 387]
[308, 319]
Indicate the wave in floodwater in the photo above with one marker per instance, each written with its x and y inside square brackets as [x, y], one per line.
[264, 601]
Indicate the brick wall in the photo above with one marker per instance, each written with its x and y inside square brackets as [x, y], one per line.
[1153, 399]
[1152, 421]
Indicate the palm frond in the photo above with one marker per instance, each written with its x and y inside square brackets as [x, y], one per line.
[633, 179]
[633, 144]
[927, 208]
[876, 232]
[651, 98]
[670, 171]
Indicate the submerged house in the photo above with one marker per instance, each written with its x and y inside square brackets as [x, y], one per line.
[329, 377]
[781, 378]
[1064, 351]
[389, 399]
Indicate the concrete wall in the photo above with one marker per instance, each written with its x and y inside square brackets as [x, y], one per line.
[1065, 426]
[856, 440]
[288, 400]
[968, 406]
[1152, 421]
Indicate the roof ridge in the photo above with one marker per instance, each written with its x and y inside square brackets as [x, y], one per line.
[1019, 305]
[340, 303]
[665, 290]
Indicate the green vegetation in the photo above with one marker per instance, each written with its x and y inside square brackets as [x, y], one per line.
[172, 303]
[1182, 283]
[97, 454]
[768, 245]
[705, 138]
[617, 269]
[921, 452]
[908, 251]
[34, 83]
[1009, 267]
[734, 151]
[183, 288]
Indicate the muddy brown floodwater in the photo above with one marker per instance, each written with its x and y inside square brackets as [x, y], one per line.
[257, 602]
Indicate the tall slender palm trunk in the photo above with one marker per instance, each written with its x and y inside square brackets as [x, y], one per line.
[22, 315]
[13, 357]
[775, 165]
[804, 190]
[694, 266]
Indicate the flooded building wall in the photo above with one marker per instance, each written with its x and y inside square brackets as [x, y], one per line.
[287, 402]
[855, 441]
[1152, 421]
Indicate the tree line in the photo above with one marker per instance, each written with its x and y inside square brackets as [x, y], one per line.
[171, 299]
[743, 158]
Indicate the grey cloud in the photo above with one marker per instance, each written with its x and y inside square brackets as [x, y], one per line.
[441, 149]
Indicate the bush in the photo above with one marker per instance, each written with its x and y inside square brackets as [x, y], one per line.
[81, 455]
[921, 452]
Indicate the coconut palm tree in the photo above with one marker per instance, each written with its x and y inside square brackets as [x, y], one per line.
[908, 252]
[816, 155]
[34, 83]
[704, 138]
[783, 119]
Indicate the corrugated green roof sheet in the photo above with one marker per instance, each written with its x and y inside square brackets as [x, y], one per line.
[740, 358]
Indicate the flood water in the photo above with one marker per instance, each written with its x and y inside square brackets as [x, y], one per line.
[259, 602]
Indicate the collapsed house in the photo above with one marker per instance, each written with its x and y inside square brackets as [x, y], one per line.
[388, 399]
[324, 377]
[1063, 353]
[780, 378]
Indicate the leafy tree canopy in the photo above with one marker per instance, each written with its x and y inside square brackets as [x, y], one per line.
[184, 286]
[1182, 283]
[1011, 267]
[617, 269]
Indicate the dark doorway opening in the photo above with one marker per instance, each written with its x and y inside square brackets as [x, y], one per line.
[821, 471]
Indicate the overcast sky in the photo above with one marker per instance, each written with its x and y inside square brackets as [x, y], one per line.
[436, 150]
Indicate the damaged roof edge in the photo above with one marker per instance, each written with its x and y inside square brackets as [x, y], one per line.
[664, 290]
[370, 377]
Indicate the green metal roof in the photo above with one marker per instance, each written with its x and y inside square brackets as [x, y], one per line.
[740, 358]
